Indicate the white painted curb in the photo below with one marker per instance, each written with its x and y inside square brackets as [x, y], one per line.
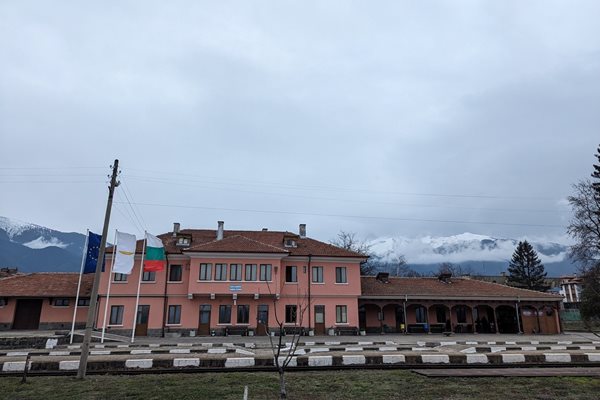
[320, 361]
[239, 362]
[139, 363]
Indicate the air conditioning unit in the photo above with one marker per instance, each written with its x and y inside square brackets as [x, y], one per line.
[235, 296]
[212, 296]
[190, 296]
[256, 296]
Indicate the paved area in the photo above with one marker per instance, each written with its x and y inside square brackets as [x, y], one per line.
[508, 372]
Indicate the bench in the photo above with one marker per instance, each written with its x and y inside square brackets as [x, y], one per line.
[346, 331]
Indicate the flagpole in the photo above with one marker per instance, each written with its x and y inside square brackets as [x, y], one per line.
[137, 299]
[85, 246]
[110, 278]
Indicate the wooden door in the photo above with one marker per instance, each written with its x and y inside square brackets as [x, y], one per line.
[319, 320]
[262, 319]
[204, 322]
[141, 325]
[27, 314]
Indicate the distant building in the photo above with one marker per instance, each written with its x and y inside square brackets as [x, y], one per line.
[570, 289]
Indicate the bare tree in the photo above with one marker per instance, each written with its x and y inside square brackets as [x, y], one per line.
[349, 241]
[454, 269]
[284, 351]
[585, 224]
[585, 229]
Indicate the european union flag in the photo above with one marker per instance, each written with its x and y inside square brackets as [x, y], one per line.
[91, 256]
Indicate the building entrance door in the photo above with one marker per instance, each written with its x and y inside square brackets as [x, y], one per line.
[27, 314]
[141, 324]
[204, 322]
[319, 320]
[262, 319]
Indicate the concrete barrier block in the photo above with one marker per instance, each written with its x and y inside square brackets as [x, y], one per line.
[557, 357]
[319, 349]
[353, 360]
[141, 351]
[186, 362]
[293, 361]
[496, 349]
[388, 348]
[68, 365]
[477, 359]
[59, 353]
[393, 359]
[528, 348]
[139, 363]
[447, 343]
[354, 349]
[13, 366]
[217, 350]
[593, 357]
[179, 351]
[332, 343]
[435, 359]
[17, 354]
[365, 343]
[558, 347]
[239, 362]
[320, 361]
[513, 358]
[184, 344]
[99, 352]
[471, 343]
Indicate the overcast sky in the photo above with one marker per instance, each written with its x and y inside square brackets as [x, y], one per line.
[387, 118]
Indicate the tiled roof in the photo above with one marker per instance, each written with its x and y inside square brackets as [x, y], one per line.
[249, 242]
[45, 284]
[236, 243]
[463, 288]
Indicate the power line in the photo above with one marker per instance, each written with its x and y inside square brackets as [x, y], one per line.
[347, 200]
[222, 181]
[351, 216]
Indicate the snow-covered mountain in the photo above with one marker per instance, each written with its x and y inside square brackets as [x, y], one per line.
[484, 254]
[32, 247]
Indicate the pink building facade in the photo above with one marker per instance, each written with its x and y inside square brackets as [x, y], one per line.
[236, 282]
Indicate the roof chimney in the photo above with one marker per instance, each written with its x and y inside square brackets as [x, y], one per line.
[175, 228]
[265, 229]
[220, 230]
[302, 231]
[383, 277]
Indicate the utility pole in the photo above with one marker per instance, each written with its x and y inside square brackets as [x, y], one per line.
[85, 346]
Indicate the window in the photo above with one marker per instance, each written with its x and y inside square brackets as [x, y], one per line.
[149, 276]
[220, 272]
[290, 314]
[440, 313]
[461, 314]
[175, 273]
[3, 302]
[224, 314]
[340, 275]
[83, 302]
[174, 315]
[341, 314]
[119, 277]
[421, 315]
[265, 272]
[235, 272]
[205, 272]
[250, 272]
[61, 302]
[317, 274]
[243, 314]
[291, 274]
[116, 315]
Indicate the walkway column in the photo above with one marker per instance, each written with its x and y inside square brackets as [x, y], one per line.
[518, 317]
[474, 324]
[381, 319]
[450, 318]
[405, 316]
[496, 320]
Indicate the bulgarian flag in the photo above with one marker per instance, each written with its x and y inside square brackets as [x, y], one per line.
[155, 254]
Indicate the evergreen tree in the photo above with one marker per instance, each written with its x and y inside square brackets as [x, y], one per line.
[525, 268]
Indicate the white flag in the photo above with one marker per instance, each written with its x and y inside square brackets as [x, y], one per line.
[125, 253]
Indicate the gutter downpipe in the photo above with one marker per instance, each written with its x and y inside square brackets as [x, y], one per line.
[165, 294]
[518, 315]
[309, 285]
[405, 316]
